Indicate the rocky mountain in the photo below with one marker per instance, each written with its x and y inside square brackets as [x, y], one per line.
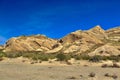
[95, 41]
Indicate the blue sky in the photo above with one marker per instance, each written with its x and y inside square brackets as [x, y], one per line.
[55, 18]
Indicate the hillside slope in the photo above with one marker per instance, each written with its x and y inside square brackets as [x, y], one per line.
[95, 41]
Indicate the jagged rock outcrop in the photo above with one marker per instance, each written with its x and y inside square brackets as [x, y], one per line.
[30, 43]
[95, 41]
[114, 34]
[80, 41]
[98, 32]
[105, 50]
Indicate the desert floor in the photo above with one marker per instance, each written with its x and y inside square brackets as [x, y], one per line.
[16, 70]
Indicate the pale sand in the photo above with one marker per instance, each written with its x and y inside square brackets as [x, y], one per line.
[15, 69]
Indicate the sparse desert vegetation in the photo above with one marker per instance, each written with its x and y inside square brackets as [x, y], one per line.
[59, 56]
[80, 55]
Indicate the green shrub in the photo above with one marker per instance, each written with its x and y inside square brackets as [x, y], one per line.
[82, 57]
[77, 57]
[115, 58]
[61, 57]
[13, 55]
[95, 58]
[2, 54]
[39, 56]
[43, 57]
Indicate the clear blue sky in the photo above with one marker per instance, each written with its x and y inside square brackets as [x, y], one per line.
[55, 18]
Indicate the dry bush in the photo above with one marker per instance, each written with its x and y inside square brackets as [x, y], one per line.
[115, 65]
[72, 77]
[1, 59]
[23, 60]
[92, 74]
[68, 63]
[39, 61]
[114, 76]
[104, 66]
[81, 75]
[32, 63]
[107, 75]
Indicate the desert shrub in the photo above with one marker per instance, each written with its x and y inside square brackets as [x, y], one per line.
[104, 66]
[61, 57]
[112, 57]
[107, 75]
[13, 55]
[92, 74]
[114, 76]
[1, 59]
[39, 56]
[32, 55]
[69, 56]
[115, 58]
[85, 57]
[72, 77]
[2, 54]
[36, 56]
[51, 56]
[32, 62]
[81, 75]
[82, 57]
[27, 55]
[77, 57]
[43, 57]
[115, 65]
[68, 63]
[95, 58]
[104, 58]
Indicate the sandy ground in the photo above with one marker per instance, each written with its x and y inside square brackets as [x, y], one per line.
[15, 69]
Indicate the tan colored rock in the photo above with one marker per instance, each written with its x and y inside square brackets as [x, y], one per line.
[72, 49]
[57, 49]
[105, 50]
[81, 41]
[95, 41]
[98, 32]
[29, 43]
[114, 34]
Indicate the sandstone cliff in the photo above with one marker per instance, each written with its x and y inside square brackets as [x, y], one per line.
[95, 41]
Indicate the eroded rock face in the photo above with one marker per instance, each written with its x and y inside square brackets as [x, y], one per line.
[105, 50]
[81, 41]
[114, 34]
[95, 41]
[30, 43]
[98, 32]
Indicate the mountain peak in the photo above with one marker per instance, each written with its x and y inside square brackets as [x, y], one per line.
[98, 28]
